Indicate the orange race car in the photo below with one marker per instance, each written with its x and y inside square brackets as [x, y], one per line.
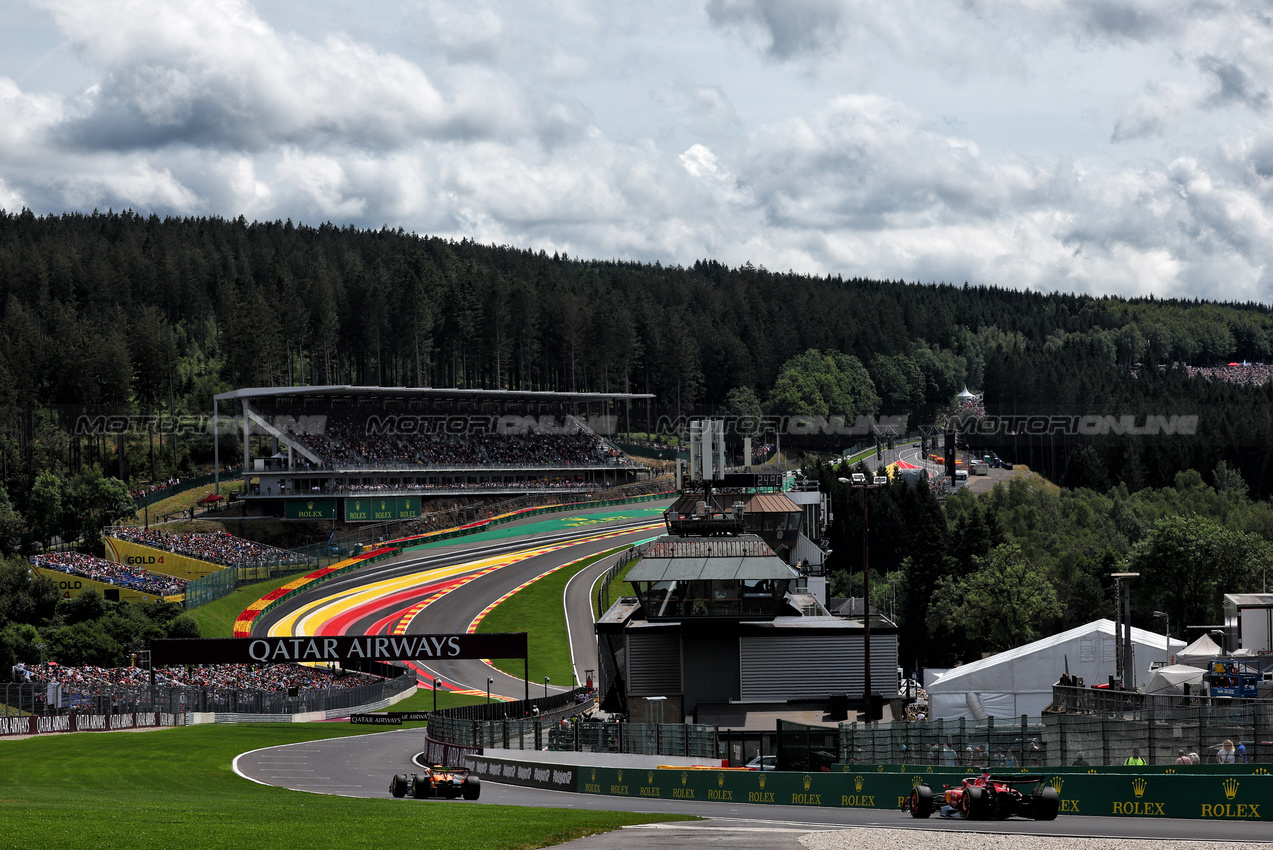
[446, 782]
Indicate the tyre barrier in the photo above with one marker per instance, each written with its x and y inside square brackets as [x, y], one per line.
[1244, 796]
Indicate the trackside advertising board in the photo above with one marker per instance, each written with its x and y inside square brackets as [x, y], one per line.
[1208, 796]
[275, 650]
[381, 508]
[554, 777]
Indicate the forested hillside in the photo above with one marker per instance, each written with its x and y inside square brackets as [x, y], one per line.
[120, 312]
[115, 313]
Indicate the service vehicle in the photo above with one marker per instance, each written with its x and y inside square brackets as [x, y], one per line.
[987, 797]
[449, 783]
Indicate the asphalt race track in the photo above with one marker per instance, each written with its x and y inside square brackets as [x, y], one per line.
[362, 766]
[442, 590]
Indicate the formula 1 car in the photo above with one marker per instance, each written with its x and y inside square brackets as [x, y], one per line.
[986, 797]
[437, 781]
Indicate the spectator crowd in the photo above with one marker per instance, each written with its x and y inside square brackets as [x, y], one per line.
[108, 572]
[272, 678]
[349, 441]
[1247, 374]
[219, 547]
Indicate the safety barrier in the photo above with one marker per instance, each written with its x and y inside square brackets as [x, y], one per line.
[1233, 797]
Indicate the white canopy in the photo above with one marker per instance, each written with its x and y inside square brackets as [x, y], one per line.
[1020, 680]
[1172, 680]
[1198, 653]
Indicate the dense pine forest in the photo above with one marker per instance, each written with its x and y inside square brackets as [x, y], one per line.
[125, 313]
[119, 313]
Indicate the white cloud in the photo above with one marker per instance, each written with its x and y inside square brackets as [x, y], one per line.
[967, 141]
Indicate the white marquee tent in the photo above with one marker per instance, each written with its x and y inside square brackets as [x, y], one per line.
[1198, 653]
[1172, 680]
[1019, 681]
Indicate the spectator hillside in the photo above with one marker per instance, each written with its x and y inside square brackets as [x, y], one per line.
[109, 572]
[1243, 374]
[218, 547]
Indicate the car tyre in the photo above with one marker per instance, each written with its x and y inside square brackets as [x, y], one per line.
[421, 787]
[1047, 804]
[398, 785]
[472, 788]
[921, 803]
[973, 802]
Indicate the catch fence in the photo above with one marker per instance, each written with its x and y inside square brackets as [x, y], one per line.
[512, 725]
[1158, 734]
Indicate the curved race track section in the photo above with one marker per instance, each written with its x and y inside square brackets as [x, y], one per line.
[442, 590]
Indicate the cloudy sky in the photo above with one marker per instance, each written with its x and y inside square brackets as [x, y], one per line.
[1101, 146]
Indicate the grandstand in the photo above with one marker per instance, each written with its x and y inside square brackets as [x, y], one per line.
[375, 454]
[118, 582]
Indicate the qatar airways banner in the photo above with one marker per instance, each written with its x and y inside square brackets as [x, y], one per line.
[46, 724]
[336, 648]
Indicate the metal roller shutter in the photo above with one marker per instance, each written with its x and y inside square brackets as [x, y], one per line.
[774, 669]
[654, 664]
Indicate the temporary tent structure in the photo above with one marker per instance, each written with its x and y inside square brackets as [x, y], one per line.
[1019, 681]
[1198, 653]
[1172, 680]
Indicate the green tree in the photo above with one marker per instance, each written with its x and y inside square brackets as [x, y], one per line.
[44, 508]
[12, 525]
[823, 383]
[25, 597]
[184, 626]
[744, 406]
[1229, 480]
[1005, 602]
[85, 643]
[88, 607]
[1186, 563]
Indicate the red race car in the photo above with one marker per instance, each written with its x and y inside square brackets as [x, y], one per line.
[447, 782]
[986, 797]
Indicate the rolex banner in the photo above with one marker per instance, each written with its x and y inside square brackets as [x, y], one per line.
[335, 649]
[381, 508]
[1248, 796]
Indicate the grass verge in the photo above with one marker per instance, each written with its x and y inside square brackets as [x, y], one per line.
[537, 610]
[175, 788]
[216, 619]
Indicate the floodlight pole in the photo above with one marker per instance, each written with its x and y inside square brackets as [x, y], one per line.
[866, 594]
[1123, 611]
[1167, 635]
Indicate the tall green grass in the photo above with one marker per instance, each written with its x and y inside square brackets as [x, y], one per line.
[175, 788]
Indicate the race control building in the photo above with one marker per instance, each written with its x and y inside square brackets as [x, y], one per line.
[717, 621]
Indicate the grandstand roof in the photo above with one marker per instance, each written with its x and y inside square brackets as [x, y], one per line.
[422, 392]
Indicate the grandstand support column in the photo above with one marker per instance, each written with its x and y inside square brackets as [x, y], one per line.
[247, 449]
[216, 449]
[526, 674]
